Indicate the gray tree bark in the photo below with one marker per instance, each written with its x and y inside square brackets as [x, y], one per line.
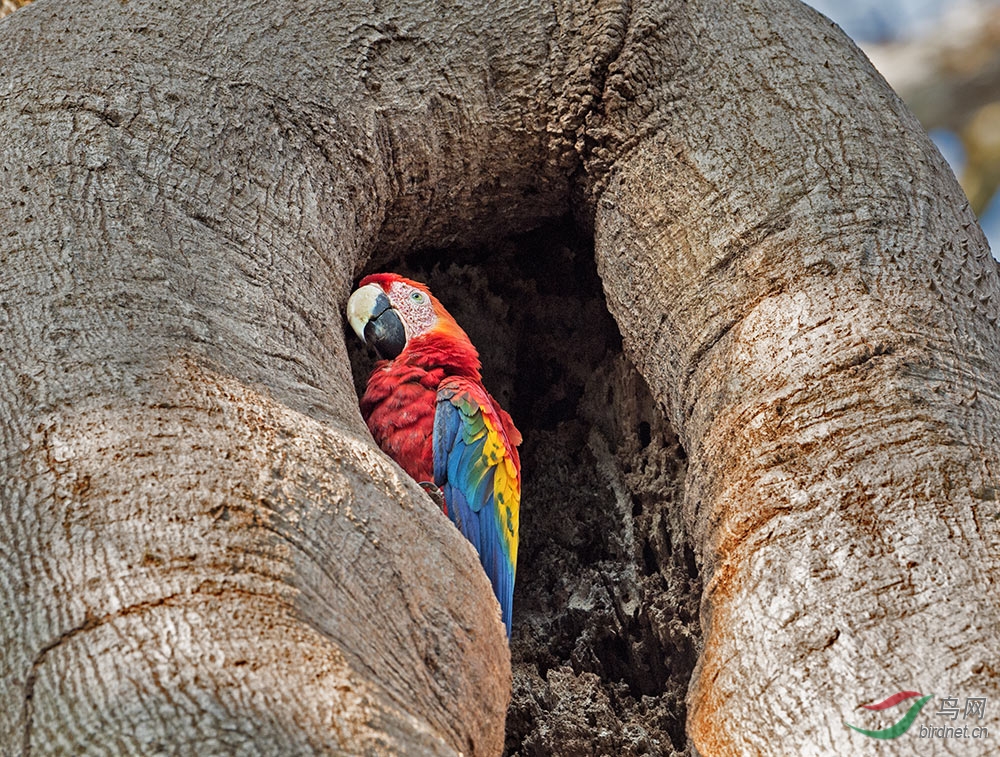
[826, 341]
[202, 550]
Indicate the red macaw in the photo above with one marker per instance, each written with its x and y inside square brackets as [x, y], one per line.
[427, 408]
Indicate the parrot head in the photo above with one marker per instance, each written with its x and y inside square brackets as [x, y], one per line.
[392, 313]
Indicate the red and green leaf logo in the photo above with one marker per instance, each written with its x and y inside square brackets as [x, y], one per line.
[902, 725]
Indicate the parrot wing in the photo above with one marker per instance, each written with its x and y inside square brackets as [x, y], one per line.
[478, 469]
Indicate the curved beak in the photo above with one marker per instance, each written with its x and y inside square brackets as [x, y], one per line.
[374, 320]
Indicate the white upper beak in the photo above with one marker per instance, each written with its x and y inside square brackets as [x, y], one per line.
[360, 307]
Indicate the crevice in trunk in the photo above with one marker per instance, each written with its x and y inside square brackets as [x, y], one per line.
[606, 631]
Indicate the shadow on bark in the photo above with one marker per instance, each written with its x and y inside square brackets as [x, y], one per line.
[606, 631]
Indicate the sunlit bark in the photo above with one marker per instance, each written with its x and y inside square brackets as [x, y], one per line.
[201, 548]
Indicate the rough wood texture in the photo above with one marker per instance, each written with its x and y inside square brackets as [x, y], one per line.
[798, 276]
[202, 550]
[200, 545]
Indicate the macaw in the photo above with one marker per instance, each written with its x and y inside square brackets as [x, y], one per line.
[427, 408]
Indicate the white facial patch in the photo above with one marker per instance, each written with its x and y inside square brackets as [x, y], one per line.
[414, 307]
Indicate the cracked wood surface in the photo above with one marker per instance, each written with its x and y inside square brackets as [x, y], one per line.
[202, 550]
[811, 295]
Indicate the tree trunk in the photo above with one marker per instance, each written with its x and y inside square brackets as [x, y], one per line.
[798, 276]
[202, 550]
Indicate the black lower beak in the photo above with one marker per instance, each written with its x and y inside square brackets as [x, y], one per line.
[384, 330]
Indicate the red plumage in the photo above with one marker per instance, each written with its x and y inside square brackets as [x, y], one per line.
[399, 401]
[427, 408]
[398, 406]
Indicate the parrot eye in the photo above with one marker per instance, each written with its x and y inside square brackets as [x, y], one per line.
[417, 298]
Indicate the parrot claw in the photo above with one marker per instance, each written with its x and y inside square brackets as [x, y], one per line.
[435, 493]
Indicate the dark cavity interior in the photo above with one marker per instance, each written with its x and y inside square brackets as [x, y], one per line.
[606, 631]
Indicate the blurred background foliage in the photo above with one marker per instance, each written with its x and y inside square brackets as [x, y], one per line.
[9, 6]
[943, 58]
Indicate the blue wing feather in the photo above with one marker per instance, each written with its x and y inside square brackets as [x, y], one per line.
[466, 460]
